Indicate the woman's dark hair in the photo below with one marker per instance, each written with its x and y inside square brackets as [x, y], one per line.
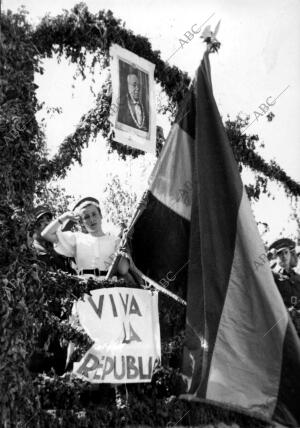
[88, 205]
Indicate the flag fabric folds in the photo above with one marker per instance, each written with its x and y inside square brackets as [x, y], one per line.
[197, 233]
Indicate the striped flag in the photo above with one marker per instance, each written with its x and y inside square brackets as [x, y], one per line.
[197, 234]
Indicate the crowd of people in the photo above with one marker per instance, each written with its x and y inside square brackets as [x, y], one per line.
[76, 243]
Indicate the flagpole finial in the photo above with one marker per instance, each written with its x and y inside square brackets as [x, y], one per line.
[209, 37]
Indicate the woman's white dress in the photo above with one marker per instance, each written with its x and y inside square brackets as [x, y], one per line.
[90, 252]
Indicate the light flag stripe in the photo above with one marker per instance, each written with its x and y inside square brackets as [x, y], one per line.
[240, 371]
[170, 185]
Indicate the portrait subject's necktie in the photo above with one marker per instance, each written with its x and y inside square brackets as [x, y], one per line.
[138, 112]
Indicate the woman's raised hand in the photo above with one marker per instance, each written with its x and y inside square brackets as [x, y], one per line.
[49, 233]
[70, 215]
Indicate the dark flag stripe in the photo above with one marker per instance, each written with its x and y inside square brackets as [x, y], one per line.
[162, 251]
[214, 221]
[186, 115]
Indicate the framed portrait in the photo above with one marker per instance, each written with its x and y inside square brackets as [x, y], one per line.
[133, 112]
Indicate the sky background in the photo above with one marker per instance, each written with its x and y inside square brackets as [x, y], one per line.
[259, 58]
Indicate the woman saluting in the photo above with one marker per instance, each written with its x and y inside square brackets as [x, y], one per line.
[93, 251]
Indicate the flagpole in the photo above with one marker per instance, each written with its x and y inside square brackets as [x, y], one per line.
[140, 208]
[158, 287]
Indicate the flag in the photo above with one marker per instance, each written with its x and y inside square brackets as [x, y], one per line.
[241, 348]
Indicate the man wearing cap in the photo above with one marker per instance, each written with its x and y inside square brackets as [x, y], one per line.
[297, 251]
[287, 280]
[43, 249]
[38, 361]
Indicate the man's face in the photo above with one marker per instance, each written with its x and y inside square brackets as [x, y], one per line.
[133, 86]
[40, 225]
[284, 258]
[294, 259]
[91, 218]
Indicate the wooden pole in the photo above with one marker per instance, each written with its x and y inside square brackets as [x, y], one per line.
[140, 208]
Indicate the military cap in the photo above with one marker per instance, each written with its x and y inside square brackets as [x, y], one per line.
[41, 210]
[282, 244]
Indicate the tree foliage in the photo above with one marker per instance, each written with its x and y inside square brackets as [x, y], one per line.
[55, 197]
[120, 202]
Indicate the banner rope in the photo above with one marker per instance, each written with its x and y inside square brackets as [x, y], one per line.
[150, 281]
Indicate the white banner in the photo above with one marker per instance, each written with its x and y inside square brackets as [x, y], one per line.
[124, 324]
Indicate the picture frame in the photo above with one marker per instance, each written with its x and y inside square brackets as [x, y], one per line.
[133, 110]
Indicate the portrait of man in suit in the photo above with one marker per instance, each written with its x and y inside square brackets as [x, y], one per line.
[133, 107]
